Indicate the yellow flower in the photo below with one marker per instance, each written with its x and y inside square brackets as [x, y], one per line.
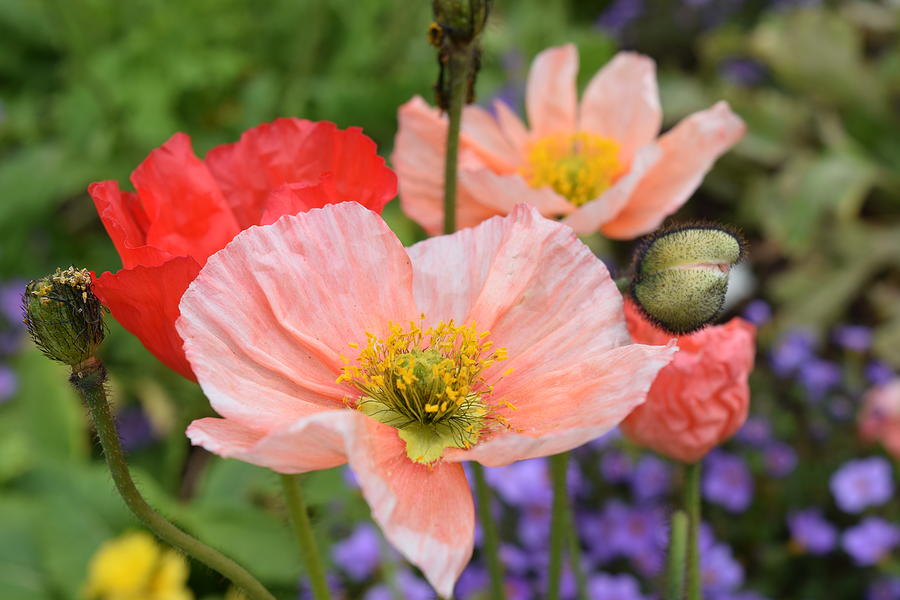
[134, 567]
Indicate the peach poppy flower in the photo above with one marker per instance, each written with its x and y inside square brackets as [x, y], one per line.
[879, 419]
[701, 398]
[598, 165]
[323, 341]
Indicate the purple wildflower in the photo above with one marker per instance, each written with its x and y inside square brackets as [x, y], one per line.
[811, 532]
[871, 540]
[853, 337]
[11, 303]
[746, 72]
[819, 376]
[614, 587]
[651, 479]
[795, 349]
[473, 580]
[616, 466]
[758, 312]
[358, 555]
[9, 383]
[756, 431]
[780, 459]
[134, 427]
[524, 483]
[516, 560]
[884, 589]
[727, 481]
[879, 373]
[618, 15]
[861, 483]
[719, 570]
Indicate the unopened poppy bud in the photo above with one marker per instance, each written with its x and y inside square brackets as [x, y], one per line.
[64, 317]
[460, 21]
[454, 32]
[681, 274]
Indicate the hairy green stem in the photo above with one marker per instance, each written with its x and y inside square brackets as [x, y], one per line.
[557, 523]
[490, 539]
[675, 563]
[692, 508]
[89, 383]
[574, 543]
[457, 71]
[293, 493]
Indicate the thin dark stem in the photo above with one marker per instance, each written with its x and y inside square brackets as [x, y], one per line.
[490, 538]
[457, 70]
[574, 545]
[293, 493]
[676, 561]
[89, 384]
[558, 523]
[692, 508]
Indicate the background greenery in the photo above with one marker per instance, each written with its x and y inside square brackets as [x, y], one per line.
[89, 87]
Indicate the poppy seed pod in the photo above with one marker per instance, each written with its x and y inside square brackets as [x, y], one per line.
[681, 274]
[64, 317]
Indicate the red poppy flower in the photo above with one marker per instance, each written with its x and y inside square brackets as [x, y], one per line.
[185, 209]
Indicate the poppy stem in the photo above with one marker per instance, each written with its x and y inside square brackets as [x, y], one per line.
[562, 530]
[90, 383]
[676, 561]
[293, 493]
[692, 508]
[457, 71]
[490, 538]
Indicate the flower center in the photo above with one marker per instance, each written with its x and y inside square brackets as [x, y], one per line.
[579, 166]
[428, 384]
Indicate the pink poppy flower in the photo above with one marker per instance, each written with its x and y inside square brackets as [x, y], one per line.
[598, 165]
[879, 419]
[701, 398]
[321, 340]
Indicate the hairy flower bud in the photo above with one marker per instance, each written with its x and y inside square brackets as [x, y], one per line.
[64, 317]
[454, 32]
[681, 274]
[459, 20]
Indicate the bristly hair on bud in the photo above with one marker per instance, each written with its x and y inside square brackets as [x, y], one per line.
[454, 32]
[681, 274]
[64, 317]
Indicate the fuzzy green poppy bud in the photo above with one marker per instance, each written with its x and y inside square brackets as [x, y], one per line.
[681, 274]
[64, 317]
[455, 31]
[460, 21]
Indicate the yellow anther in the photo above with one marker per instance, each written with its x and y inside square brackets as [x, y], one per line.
[579, 166]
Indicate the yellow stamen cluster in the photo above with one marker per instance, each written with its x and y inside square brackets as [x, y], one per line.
[426, 381]
[579, 166]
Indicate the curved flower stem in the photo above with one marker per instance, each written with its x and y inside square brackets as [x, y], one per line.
[692, 508]
[675, 563]
[293, 493]
[457, 71]
[89, 383]
[490, 538]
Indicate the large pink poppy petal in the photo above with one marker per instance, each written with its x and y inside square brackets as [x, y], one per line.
[187, 214]
[551, 98]
[589, 217]
[527, 279]
[512, 127]
[482, 134]
[503, 192]
[418, 158]
[622, 102]
[560, 409]
[269, 315]
[688, 153]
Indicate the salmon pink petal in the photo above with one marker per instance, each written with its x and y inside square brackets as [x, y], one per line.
[688, 153]
[144, 300]
[550, 94]
[265, 320]
[503, 192]
[588, 218]
[482, 134]
[299, 151]
[186, 212]
[512, 127]
[622, 102]
[419, 159]
[126, 223]
[426, 512]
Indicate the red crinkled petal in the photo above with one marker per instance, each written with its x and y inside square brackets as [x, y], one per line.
[299, 151]
[145, 301]
[185, 210]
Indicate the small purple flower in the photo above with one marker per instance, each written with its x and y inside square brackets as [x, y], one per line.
[719, 570]
[853, 337]
[473, 580]
[727, 481]
[614, 587]
[879, 373]
[616, 466]
[618, 15]
[135, 428]
[358, 555]
[516, 560]
[304, 592]
[861, 483]
[884, 589]
[756, 431]
[795, 349]
[633, 530]
[745, 72]
[811, 532]
[780, 459]
[746, 595]
[819, 376]
[9, 383]
[11, 303]
[871, 540]
[524, 483]
[652, 478]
